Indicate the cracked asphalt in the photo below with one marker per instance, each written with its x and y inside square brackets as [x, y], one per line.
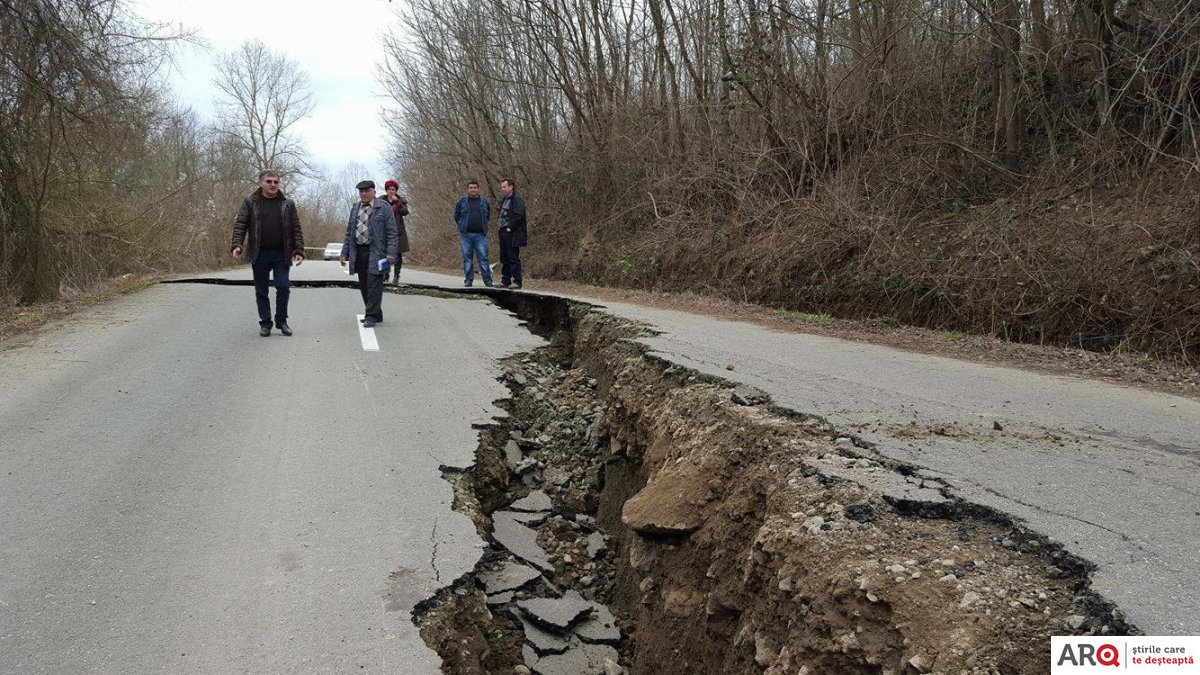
[180, 495]
[1110, 472]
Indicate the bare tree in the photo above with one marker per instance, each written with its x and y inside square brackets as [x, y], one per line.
[79, 110]
[787, 150]
[325, 201]
[264, 95]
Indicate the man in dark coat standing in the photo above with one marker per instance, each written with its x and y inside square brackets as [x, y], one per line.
[371, 238]
[267, 234]
[513, 234]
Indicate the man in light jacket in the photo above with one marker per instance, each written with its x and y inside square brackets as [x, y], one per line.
[371, 237]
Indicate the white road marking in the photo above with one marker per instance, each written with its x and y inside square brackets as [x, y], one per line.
[367, 335]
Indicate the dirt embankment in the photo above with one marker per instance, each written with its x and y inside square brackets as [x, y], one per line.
[724, 535]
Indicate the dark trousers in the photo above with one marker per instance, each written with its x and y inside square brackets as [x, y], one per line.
[269, 264]
[370, 285]
[396, 267]
[510, 260]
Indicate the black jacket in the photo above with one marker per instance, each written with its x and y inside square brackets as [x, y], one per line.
[247, 227]
[512, 218]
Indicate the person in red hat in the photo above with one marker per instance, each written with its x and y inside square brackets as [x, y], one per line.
[399, 209]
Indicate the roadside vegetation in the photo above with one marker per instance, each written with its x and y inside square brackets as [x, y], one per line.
[104, 177]
[1024, 170]
[1017, 169]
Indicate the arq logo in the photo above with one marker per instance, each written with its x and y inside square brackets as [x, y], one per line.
[1083, 654]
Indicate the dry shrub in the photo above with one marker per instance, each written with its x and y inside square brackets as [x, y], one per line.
[1114, 268]
[1021, 169]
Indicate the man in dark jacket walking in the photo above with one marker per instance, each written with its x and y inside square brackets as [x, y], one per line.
[267, 234]
[513, 234]
[371, 238]
[471, 216]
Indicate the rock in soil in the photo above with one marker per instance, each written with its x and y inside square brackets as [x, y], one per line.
[513, 455]
[595, 544]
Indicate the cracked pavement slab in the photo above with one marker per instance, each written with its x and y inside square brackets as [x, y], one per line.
[184, 496]
[1111, 472]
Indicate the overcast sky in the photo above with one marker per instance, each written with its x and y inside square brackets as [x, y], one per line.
[338, 43]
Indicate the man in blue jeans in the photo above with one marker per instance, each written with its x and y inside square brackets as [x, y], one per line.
[471, 216]
[267, 230]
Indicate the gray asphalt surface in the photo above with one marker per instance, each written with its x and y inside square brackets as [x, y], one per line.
[180, 495]
[1111, 472]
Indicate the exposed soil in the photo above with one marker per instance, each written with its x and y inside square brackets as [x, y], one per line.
[736, 537]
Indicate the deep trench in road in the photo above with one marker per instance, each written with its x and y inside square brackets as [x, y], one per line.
[642, 517]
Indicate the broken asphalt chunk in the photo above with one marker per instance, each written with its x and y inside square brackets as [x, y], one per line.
[520, 540]
[500, 598]
[532, 518]
[507, 577]
[863, 513]
[584, 659]
[535, 501]
[544, 642]
[556, 614]
[746, 395]
[600, 628]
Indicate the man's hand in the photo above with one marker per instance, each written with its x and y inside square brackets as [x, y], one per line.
[237, 253]
[342, 260]
[297, 259]
[392, 259]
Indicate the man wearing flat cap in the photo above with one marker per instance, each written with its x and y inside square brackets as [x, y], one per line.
[371, 237]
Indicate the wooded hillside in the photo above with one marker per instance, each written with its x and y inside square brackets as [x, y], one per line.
[1011, 167]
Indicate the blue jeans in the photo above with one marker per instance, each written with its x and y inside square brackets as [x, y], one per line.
[266, 264]
[477, 244]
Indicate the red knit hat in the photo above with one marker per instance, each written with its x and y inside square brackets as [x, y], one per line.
[391, 182]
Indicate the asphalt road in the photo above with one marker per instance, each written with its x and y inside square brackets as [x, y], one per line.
[1111, 472]
[180, 495]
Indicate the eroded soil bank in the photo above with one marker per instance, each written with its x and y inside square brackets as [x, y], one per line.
[724, 535]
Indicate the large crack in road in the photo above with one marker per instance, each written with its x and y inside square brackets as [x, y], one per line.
[737, 536]
[726, 533]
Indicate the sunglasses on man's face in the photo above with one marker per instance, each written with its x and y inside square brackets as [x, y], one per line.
[271, 182]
